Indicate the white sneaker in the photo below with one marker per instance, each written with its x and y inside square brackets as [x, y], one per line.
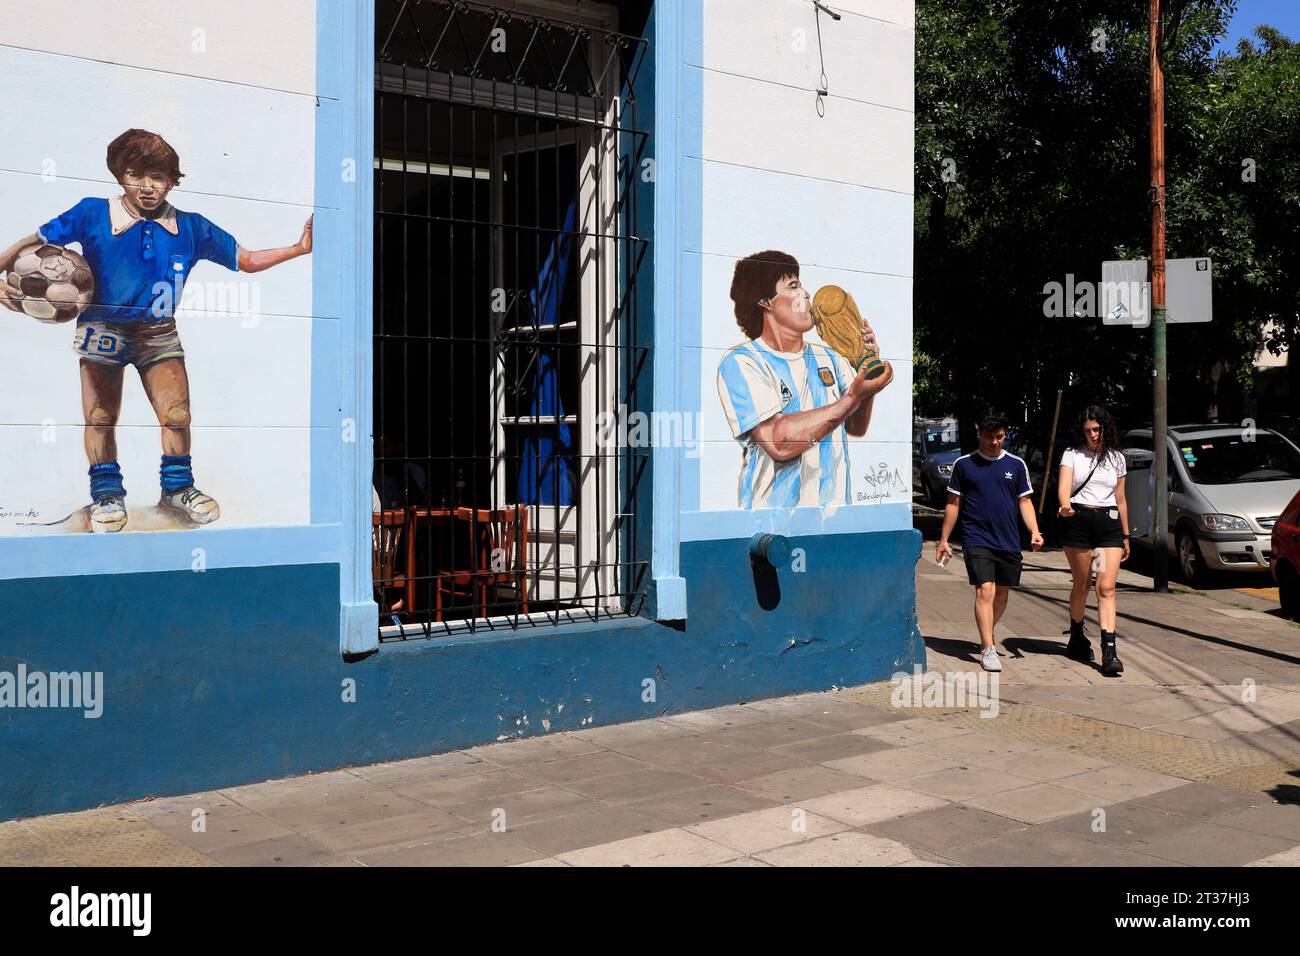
[194, 504]
[989, 660]
[108, 514]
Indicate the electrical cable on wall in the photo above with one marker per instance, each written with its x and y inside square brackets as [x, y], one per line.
[822, 85]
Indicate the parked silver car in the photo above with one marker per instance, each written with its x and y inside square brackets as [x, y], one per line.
[1227, 486]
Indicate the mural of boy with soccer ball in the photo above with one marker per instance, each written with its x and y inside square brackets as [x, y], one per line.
[136, 252]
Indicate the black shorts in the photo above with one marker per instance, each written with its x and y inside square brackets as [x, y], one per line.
[985, 565]
[1092, 528]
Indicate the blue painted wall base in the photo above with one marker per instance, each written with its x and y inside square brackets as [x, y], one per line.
[232, 676]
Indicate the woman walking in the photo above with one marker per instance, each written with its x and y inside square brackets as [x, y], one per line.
[1094, 516]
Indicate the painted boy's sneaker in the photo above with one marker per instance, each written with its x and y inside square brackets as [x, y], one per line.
[194, 504]
[108, 514]
[989, 660]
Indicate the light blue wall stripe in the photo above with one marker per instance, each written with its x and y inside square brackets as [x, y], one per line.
[345, 60]
[669, 34]
[719, 525]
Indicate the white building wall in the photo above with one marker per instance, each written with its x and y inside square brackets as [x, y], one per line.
[833, 190]
[231, 85]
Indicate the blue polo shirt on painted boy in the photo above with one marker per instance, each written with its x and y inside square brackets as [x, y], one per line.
[130, 256]
[990, 491]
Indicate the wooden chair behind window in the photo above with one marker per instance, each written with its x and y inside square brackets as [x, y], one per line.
[498, 541]
[388, 529]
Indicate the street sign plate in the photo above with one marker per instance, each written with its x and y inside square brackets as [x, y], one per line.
[1126, 292]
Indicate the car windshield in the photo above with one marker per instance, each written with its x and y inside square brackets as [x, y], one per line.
[1229, 459]
[944, 440]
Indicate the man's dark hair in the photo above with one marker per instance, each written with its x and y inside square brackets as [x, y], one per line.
[755, 278]
[143, 151]
[991, 421]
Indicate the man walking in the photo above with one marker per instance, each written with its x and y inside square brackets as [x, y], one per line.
[985, 492]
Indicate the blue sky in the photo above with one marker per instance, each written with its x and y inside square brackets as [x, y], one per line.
[1283, 14]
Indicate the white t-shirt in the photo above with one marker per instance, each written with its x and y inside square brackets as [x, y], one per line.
[1100, 490]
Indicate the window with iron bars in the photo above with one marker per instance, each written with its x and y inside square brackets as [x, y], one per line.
[511, 268]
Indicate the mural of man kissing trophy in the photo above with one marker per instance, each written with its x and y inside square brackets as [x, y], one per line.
[792, 404]
[122, 290]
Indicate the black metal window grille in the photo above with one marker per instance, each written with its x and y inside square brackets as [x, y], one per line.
[511, 240]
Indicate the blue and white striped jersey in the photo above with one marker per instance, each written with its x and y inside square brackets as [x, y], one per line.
[755, 382]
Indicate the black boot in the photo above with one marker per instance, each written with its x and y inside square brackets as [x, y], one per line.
[1111, 665]
[1079, 647]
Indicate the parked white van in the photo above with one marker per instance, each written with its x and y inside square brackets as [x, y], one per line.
[1227, 486]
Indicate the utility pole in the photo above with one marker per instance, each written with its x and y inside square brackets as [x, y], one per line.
[1160, 390]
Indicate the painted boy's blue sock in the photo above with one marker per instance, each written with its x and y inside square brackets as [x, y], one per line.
[106, 481]
[175, 472]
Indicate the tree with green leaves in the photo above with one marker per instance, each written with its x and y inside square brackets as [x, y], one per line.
[1032, 165]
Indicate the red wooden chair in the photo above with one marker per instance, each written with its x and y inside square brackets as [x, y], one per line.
[498, 541]
[388, 529]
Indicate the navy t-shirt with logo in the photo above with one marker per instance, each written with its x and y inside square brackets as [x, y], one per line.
[990, 491]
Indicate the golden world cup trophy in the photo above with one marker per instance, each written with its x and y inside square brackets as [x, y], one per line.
[839, 323]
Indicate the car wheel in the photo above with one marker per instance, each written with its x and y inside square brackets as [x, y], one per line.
[1190, 561]
[1289, 589]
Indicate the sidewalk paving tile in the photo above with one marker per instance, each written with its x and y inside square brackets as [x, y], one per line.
[667, 848]
[534, 750]
[1118, 783]
[1182, 728]
[1040, 846]
[454, 790]
[975, 746]
[772, 733]
[624, 788]
[767, 829]
[526, 806]
[312, 812]
[850, 848]
[1044, 765]
[222, 827]
[1200, 801]
[586, 767]
[1285, 858]
[292, 850]
[1120, 824]
[427, 825]
[939, 829]
[588, 827]
[483, 849]
[699, 805]
[917, 730]
[889, 765]
[800, 783]
[458, 763]
[872, 804]
[1274, 819]
[962, 783]
[835, 747]
[1035, 804]
[744, 764]
[1209, 844]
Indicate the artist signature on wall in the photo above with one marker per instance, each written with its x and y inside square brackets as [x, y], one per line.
[883, 482]
[29, 513]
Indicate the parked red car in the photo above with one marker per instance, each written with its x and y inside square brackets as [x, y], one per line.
[1285, 559]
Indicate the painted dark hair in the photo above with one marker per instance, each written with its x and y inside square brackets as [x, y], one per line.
[755, 278]
[143, 151]
[1109, 430]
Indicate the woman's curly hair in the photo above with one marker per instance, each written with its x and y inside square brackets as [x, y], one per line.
[1110, 443]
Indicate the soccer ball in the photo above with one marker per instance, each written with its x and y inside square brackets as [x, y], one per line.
[50, 283]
